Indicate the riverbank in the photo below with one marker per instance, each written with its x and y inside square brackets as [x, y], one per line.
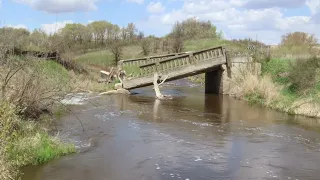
[30, 103]
[290, 86]
[27, 142]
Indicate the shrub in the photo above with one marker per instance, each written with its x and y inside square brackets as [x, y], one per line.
[303, 73]
[277, 69]
[33, 85]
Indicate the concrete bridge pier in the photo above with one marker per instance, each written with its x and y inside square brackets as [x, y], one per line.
[214, 81]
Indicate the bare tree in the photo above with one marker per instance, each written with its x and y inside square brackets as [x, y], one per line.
[116, 49]
[145, 44]
[177, 38]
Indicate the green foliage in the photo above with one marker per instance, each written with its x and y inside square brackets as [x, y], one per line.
[195, 29]
[198, 44]
[36, 149]
[53, 70]
[255, 98]
[277, 68]
[303, 73]
[24, 142]
[102, 58]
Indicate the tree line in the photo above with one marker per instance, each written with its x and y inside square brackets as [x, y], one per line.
[103, 34]
[79, 38]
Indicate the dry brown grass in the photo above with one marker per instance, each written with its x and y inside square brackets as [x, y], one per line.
[6, 171]
[249, 83]
[87, 83]
[262, 89]
[32, 85]
[307, 107]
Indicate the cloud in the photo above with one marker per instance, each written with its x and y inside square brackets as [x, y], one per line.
[314, 6]
[268, 23]
[261, 4]
[136, 1]
[316, 18]
[54, 27]
[155, 7]
[61, 6]
[18, 26]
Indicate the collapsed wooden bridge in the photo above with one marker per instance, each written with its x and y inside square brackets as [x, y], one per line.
[177, 66]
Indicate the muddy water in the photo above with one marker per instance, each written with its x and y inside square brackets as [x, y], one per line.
[193, 136]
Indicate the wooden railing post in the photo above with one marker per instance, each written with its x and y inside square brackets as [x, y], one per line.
[191, 58]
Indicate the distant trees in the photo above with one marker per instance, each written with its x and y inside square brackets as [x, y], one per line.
[177, 36]
[146, 46]
[299, 39]
[191, 29]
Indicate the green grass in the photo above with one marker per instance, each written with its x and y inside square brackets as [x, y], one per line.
[275, 67]
[27, 143]
[199, 44]
[54, 70]
[101, 58]
[132, 70]
[194, 45]
[106, 58]
[255, 98]
[36, 149]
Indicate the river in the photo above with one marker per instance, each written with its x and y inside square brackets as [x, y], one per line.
[191, 137]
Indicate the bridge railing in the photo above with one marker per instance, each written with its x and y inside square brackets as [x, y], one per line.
[180, 61]
[145, 60]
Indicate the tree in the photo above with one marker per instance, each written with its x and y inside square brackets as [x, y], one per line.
[140, 35]
[299, 39]
[124, 34]
[145, 44]
[177, 38]
[116, 49]
[99, 29]
[38, 40]
[131, 29]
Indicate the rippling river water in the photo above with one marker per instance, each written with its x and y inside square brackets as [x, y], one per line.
[191, 137]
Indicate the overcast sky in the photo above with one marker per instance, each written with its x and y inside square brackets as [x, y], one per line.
[266, 19]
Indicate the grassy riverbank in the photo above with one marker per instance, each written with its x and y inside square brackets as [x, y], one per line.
[30, 95]
[291, 86]
[26, 142]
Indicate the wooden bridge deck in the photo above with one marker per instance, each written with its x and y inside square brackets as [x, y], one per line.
[174, 66]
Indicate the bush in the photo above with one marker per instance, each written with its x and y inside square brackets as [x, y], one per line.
[277, 69]
[303, 73]
[33, 85]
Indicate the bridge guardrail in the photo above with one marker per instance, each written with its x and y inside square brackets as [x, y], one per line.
[177, 61]
[141, 61]
[169, 64]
